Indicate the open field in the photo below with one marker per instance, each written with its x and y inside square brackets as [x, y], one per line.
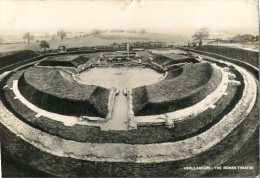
[103, 39]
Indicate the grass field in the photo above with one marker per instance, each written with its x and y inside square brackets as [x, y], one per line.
[103, 39]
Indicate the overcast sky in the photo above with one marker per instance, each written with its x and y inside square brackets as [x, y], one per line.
[166, 15]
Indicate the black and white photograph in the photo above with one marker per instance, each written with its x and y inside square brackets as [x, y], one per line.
[129, 88]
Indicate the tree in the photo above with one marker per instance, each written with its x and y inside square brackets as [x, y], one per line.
[27, 36]
[44, 44]
[95, 32]
[62, 34]
[243, 38]
[201, 35]
[143, 31]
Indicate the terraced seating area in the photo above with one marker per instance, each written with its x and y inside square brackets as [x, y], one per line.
[68, 96]
[194, 84]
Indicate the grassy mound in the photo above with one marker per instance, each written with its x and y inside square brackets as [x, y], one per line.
[250, 57]
[80, 60]
[193, 85]
[44, 86]
[15, 57]
[65, 61]
[173, 71]
[170, 59]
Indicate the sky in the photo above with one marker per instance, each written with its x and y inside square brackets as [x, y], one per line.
[176, 16]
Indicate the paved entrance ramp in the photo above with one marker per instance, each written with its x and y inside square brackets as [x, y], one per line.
[119, 114]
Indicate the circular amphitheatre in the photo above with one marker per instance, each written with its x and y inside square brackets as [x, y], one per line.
[83, 118]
